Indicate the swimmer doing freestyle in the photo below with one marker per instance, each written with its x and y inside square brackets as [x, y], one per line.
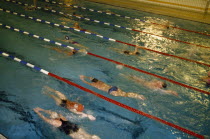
[112, 90]
[153, 85]
[207, 79]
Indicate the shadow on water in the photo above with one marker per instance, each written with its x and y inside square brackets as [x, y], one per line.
[22, 111]
[134, 127]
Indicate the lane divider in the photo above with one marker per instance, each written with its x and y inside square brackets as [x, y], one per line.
[130, 29]
[106, 38]
[104, 58]
[123, 16]
[109, 24]
[101, 96]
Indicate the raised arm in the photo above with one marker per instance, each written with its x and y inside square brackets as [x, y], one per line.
[82, 77]
[53, 122]
[170, 92]
[136, 50]
[91, 117]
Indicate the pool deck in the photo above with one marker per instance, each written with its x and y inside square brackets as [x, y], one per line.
[193, 11]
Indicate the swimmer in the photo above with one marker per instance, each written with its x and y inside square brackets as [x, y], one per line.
[47, 7]
[30, 8]
[59, 121]
[67, 39]
[167, 25]
[207, 79]
[153, 85]
[35, 3]
[67, 52]
[112, 90]
[126, 52]
[76, 26]
[62, 101]
[109, 12]
[74, 14]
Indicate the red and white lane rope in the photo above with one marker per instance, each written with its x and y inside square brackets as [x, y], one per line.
[102, 97]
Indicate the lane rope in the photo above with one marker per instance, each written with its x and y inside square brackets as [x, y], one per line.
[104, 58]
[106, 38]
[101, 96]
[118, 26]
[130, 29]
[123, 16]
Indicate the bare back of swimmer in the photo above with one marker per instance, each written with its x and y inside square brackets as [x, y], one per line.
[112, 90]
[153, 85]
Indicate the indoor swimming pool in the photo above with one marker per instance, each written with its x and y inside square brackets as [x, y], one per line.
[171, 50]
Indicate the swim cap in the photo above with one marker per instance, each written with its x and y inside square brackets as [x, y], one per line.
[164, 85]
[74, 51]
[94, 80]
[79, 107]
[137, 53]
[126, 52]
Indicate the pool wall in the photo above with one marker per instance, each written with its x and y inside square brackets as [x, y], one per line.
[198, 10]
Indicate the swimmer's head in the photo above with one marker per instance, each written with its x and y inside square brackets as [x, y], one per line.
[164, 85]
[137, 53]
[67, 37]
[126, 52]
[78, 107]
[76, 24]
[94, 80]
[74, 51]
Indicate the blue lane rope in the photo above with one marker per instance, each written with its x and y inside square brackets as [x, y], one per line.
[123, 16]
[109, 24]
[37, 37]
[104, 58]
[110, 39]
[103, 97]
[92, 10]
[24, 63]
[51, 23]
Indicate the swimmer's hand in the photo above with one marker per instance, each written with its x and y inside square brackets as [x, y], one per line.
[141, 97]
[82, 77]
[172, 92]
[95, 137]
[37, 109]
[83, 51]
[91, 117]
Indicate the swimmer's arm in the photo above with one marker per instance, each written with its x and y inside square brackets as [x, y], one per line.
[170, 92]
[84, 115]
[82, 77]
[115, 49]
[134, 95]
[40, 109]
[136, 50]
[62, 117]
[50, 121]
[205, 79]
[137, 79]
[133, 77]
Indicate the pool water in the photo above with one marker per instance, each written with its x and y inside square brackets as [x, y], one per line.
[21, 87]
